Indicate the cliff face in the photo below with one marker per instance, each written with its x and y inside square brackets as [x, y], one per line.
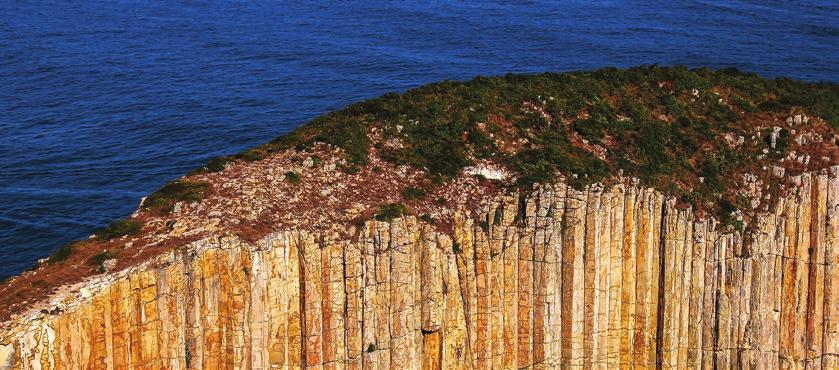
[269, 258]
[600, 277]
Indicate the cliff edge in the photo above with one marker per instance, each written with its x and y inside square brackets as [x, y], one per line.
[648, 217]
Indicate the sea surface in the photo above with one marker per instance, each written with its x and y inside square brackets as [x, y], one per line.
[102, 102]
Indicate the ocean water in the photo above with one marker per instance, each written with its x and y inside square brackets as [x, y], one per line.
[102, 102]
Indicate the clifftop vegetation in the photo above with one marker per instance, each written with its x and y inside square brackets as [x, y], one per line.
[725, 143]
[700, 135]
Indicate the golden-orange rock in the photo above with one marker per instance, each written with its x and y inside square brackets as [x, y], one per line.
[600, 277]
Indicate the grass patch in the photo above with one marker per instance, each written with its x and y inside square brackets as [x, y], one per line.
[349, 170]
[64, 252]
[350, 135]
[163, 200]
[412, 193]
[99, 258]
[390, 211]
[658, 124]
[292, 177]
[217, 164]
[251, 155]
[425, 217]
[119, 228]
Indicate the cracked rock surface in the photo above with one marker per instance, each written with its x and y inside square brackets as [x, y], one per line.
[602, 277]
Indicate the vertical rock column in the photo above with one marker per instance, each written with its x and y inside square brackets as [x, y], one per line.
[830, 325]
[615, 277]
[649, 224]
[573, 273]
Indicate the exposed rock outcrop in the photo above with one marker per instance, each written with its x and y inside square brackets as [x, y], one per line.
[415, 230]
[561, 278]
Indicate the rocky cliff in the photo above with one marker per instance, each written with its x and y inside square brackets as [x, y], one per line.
[648, 218]
[592, 278]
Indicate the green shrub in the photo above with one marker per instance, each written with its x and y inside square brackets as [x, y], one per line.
[119, 228]
[413, 193]
[675, 108]
[744, 104]
[251, 155]
[533, 167]
[482, 144]
[316, 161]
[350, 135]
[655, 143]
[601, 117]
[292, 177]
[99, 258]
[164, 199]
[530, 121]
[64, 252]
[438, 148]
[724, 213]
[296, 139]
[350, 170]
[685, 80]
[427, 218]
[217, 164]
[657, 124]
[390, 211]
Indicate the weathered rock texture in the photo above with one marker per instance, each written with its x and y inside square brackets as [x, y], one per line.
[562, 278]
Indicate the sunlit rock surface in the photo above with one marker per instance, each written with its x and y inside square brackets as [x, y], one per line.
[615, 277]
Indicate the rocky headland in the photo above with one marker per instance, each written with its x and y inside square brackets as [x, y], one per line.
[650, 218]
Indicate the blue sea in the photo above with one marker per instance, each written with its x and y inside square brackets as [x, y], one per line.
[102, 102]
